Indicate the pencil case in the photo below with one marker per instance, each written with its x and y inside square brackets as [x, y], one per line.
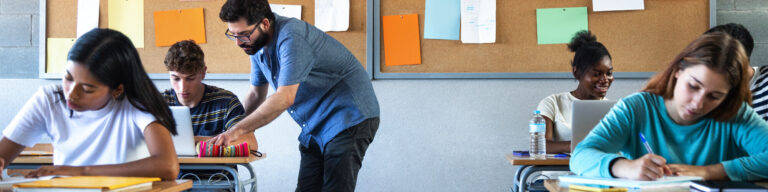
[205, 149]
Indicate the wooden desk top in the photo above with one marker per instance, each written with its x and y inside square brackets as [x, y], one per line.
[516, 160]
[554, 185]
[182, 160]
[171, 186]
[220, 160]
[47, 159]
[157, 186]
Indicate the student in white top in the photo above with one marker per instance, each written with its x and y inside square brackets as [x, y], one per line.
[592, 68]
[105, 107]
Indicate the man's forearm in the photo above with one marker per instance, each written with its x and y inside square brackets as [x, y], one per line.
[268, 111]
[253, 99]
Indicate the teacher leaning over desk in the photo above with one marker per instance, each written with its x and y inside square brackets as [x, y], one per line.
[317, 81]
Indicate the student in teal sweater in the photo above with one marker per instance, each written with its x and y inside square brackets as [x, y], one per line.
[695, 116]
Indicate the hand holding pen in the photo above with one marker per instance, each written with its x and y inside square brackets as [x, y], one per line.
[665, 169]
[647, 167]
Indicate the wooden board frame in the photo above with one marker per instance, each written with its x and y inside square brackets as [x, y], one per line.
[367, 59]
[379, 74]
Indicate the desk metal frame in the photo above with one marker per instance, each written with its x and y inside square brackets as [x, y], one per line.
[240, 185]
[529, 166]
[525, 171]
[185, 163]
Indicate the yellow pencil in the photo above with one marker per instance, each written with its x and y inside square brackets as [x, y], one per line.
[574, 187]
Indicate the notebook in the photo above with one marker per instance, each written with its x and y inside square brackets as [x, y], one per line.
[575, 179]
[184, 141]
[726, 186]
[586, 114]
[88, 183]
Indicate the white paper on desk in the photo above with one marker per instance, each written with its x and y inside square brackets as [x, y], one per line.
[287, 10]
[20, 179]
[668, 180]
[478, 21]
[87, 16]
[617, 5]
[332, 15]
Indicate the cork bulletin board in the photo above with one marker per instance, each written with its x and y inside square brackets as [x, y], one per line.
[641, 42]
[224, 59]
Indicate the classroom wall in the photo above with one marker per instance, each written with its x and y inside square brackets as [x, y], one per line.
[19, 38]
[435, 135]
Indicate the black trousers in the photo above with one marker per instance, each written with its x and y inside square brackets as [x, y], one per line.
[335, 169]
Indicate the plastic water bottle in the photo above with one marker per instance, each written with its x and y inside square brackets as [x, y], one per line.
[537, 127]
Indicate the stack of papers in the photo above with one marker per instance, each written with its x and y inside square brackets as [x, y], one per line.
[669, 180]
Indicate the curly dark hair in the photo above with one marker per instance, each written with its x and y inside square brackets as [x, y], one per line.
[588, 52]
[250, 10]
[185, 57]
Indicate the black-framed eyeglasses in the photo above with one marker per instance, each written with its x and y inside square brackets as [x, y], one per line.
[242, 38]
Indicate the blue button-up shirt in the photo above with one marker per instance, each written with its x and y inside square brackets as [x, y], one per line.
[335, 92]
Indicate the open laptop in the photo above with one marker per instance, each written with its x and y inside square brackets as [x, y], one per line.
[184, 141]
[585, 116]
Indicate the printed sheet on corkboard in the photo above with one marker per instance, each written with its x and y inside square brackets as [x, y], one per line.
[221, 54]
[639, 40]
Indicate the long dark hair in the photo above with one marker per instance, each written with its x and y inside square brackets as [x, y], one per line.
[720, 53]
[113, 60]
[588, 52]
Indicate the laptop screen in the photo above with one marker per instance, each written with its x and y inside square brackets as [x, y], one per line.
[585, 116]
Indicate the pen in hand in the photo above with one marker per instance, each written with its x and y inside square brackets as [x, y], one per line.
[647, 147]
[650, 151]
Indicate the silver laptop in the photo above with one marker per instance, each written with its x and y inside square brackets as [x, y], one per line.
[184, 141]
[585, 116]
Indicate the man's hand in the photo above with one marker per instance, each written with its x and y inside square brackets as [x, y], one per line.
[57, 170]
[224, 139]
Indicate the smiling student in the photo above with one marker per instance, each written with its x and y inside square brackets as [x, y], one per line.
[695, 116]
[593, 69]
[105, 107]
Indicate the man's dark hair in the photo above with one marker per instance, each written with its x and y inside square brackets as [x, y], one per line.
[250, 10]
[739, 32]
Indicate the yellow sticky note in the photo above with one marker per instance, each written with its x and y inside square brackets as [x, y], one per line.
[56, 54]
[176, 25]
[127, 16]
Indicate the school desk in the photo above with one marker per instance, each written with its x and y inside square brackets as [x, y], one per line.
[190, 164]
[157, 186]
[554, 185]
[530, 166]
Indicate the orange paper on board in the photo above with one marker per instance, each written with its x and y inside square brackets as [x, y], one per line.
[175, 25]
[401, 40]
